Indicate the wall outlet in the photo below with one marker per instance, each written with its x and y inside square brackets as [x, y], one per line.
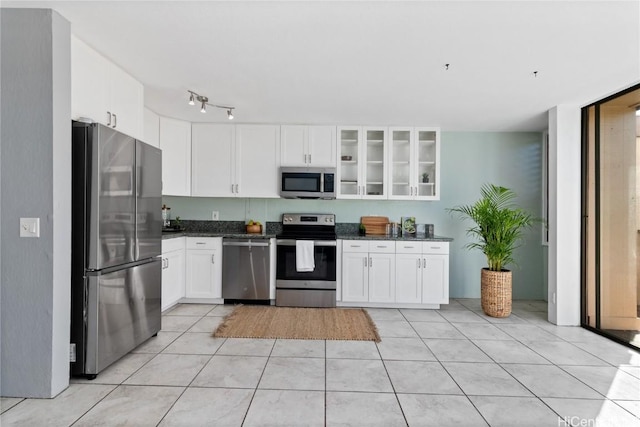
[215, 215]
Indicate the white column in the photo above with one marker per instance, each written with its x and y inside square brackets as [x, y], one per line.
[564, 214]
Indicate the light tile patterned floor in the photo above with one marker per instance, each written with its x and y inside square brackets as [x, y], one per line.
[453, 366]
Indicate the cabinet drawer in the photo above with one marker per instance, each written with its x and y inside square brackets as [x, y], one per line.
[204, 242]
[382, 246]
[355, 246]
[174, 244]
[409, 247]
[435, 247]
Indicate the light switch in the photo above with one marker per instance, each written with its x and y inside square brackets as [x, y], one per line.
[29, 227]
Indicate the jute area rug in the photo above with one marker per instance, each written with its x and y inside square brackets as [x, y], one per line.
[250, 321]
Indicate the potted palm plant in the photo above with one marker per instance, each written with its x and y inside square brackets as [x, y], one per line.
[499, 227]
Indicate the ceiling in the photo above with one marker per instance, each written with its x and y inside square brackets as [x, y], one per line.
[367, 62]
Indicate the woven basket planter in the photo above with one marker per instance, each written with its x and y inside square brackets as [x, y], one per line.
[495, 292]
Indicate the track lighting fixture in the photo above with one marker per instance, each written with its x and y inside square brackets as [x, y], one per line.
[204, 101]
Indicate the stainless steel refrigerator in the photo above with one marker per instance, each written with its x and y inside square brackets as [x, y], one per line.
[116, 243]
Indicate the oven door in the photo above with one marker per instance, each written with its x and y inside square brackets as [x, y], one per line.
[322, 277]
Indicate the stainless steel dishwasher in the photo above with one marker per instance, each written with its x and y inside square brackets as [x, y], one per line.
[245, 269]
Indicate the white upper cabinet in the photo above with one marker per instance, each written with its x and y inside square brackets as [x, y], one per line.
[414, 163]
[235, 160]
[151, 128]
[362, 167]
[175, 143]
[257, 160]
[103, 92]
[308, 145]
[213, 160]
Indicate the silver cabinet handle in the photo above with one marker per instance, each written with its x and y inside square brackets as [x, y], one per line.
[237, 188]
[109, 116]
[115, 120]
[434, 247]
[201, 243]
[232, 188]
[213, 261]
[370, 262]
[309, 158]
[365, 262]
[418, 262]
[167, 262]
[305, 158]
[424, 263]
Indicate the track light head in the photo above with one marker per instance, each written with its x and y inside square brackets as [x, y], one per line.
[204, 101]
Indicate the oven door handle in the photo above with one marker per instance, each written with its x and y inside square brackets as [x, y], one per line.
[292, 242]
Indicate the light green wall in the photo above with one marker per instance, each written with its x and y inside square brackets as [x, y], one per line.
[468, 159]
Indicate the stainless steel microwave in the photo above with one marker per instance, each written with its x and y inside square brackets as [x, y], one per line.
[307, 183]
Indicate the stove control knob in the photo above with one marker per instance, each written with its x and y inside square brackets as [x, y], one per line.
[327, 219]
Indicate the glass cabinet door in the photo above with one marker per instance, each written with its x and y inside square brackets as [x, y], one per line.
[400, 163]
[374, 169]
[349, 158]
[425, 170]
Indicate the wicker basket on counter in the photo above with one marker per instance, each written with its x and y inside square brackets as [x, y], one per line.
[254, 229]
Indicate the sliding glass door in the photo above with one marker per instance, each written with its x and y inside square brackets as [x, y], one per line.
[611, 216]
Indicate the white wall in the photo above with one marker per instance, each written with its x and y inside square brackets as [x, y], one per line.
[35, 181]
[564, 215]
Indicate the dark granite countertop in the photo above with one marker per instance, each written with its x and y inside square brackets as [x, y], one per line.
[230, 235]
[172, 235]
[236, 229]
[416, 238]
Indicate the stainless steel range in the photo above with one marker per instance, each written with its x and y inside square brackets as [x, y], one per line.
[315, 285]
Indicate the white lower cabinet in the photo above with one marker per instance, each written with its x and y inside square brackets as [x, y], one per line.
[422, 272]
[204, 267]
[408, 278]
[395, 273]
[172, 271]
[355, 276]
[435, 279]
[368, 271]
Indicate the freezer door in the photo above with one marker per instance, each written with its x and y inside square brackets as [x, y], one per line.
[111, 199]
[123, 311]
[149, 201]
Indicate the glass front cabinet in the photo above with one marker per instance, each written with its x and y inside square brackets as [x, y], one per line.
[414, 163]
[362, 163]
[398, 163]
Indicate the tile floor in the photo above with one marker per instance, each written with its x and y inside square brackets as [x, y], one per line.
[453, 366]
